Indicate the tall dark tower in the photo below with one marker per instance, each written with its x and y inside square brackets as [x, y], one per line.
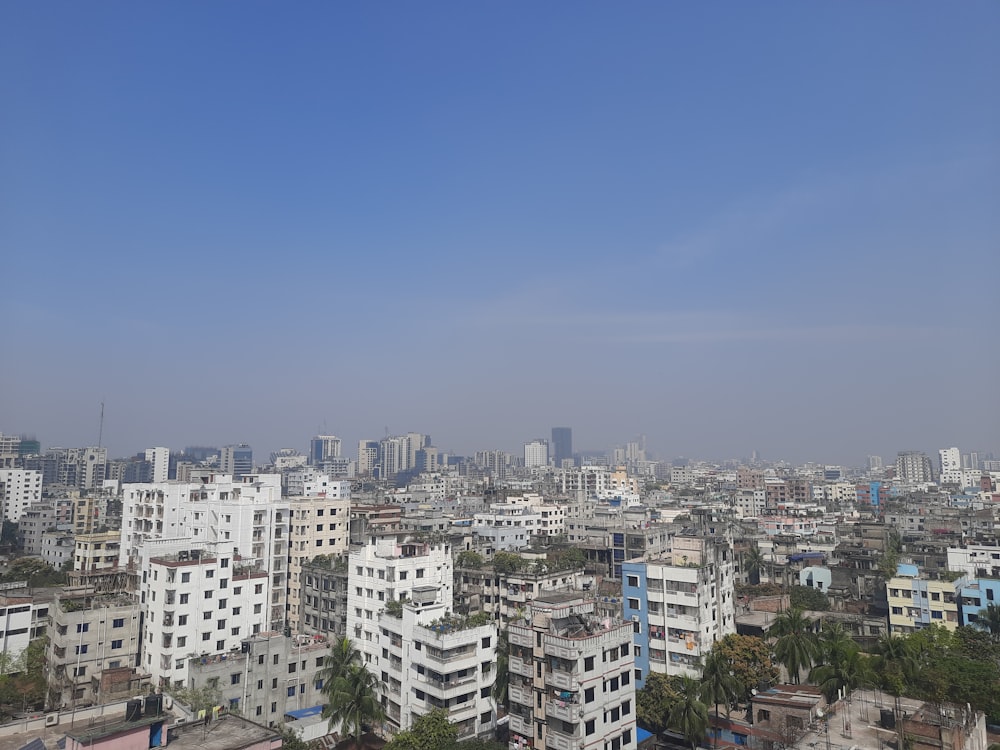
[562, 444]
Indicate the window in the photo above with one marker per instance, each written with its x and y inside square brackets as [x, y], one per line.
[588, 695]
[118, 644]
[420, 572]
[224, 563]
[633, 581]
[221, 624]
[223, 583]
[626, 708]
[256, 609]
[402, 575]
[590, 728]
[625, 678]
[79, 671]
[291, 691]
[274, 683]
[118, 622]
[633, 603]
[206, 636]
[274, 708]
[258, 588]
[184, 598]
[81, 649]
[234, 678]
[588, 664]
[182, 620]
[235, 631]
[185, 578]
[638, 651]
[209, 574]
[182, 641]
[82, 627]
[486, 642]
[206, 616]
[220, 645]
[223, 603]
[208, 594]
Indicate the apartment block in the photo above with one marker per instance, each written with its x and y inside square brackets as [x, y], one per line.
[93, 648]
[916, 602]
[431, 659]
[19, 490]
[318, 525]
[572, 681]
[679, 605]
[323, 595]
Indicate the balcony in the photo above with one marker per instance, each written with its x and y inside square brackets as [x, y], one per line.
[519, 694]
[521, 726]
[565, 710]
[560, 741]
[522, 667]
[562, 680]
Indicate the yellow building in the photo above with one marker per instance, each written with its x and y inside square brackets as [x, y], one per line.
[916, 602]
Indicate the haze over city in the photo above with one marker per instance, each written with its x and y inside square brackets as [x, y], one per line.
[734, 228]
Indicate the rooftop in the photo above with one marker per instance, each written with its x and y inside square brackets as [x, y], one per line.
[226, 733]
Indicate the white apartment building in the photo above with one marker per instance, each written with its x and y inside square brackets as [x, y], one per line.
[975, 561]
[35, 521]
[752, 503]
[572, 683]
[19, 490]
[159, 463]
[951, 466]
[248, 513]
[680, 604]
[319, 525]
[433, 660]
[57, 548]
[536, 453]
[196, 603]
[22, 619]
[508, 525]
[387, 569]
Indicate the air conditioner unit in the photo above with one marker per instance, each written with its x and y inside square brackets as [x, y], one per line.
[51, 720]
[635, 618]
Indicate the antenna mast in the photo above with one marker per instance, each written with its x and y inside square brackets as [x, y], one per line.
[100, 433]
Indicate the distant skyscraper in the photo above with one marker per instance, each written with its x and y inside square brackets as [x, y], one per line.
[323, 447]
[562, 444]
[159, 463]
[367, 457]
[237, 460]
[536, 453]
[875, 463]
[951, 466]
[914, 466]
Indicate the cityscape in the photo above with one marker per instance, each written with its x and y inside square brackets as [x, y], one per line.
[539, 598]
[499, 375]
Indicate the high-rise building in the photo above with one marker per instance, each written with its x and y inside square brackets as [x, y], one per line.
[322, 448]
[237, 460]
[572, 683]
[562, 444]
[536, 453]
[159, 464]
[19, 490]
[914, 466]
[951, 466]
[367, 457]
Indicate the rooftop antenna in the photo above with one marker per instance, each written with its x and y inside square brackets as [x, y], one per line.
[100, 432]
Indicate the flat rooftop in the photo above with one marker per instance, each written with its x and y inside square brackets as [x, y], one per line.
[225, 733]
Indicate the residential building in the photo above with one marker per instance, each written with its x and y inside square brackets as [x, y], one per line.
[159, 464]
[323, 596]
[431, 659]
[536, 453]
[93, 647]
[388, 569]
[951, 466]
[198, 602]
[23, 618]
[916, 602]
[322, 448]
[95, 561]
[508, 525]
[976, 596]
[270, 675]
[572, 681]
[19, 490]
[318, 525]
[975, 560]
[679, 604]
[914, 467]
[35, 521]
[57, 548]
[367, 457]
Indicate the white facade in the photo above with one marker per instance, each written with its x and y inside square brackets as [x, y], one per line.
[19, 489]
[508, 525]
[387, 569]
[319, 525]
[951, 466]
[159, 463]
[975, 561]
[22, 618]
[536, 453]
[572, 683]
[58, 548]
[247, 513]
[198, 603]
[437, 661]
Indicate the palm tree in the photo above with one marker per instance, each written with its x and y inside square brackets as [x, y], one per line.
[718, 685]
[353, 702]
[754, 561]
[848, 671]
[795, 645]
[343, 654]
[988, 618]
[689, 715]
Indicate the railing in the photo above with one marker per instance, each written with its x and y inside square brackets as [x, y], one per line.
[560, 741]
[519, 725]
[520, 666]
[563, 680]
[567, 711]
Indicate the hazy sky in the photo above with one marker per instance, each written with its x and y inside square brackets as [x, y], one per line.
[729, 226]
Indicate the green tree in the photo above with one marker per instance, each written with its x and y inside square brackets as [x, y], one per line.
[469, 559]
[654, 701]
[432, 731]
[754, 562]
[806, 597]
[198, 699]
[795, 646]
[689, 714]
[290, 740]
[988, 618]
[353, 702]
[718, 685]
[750, 659]
[343, 654]
[506, 563]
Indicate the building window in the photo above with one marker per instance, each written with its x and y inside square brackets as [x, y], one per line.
[182, 620]
[81, 649]
[208, 594]
[234, 678]
[590, 728]
[209, 574]
[633, 581]
[118, 622]
[588, 664]
[588, 695]
[220, 645]
[633, 603]
[185, 578]
[118, 644]
[82, 627]
[184, 598]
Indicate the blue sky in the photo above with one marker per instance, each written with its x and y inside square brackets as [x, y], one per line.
[726, 226]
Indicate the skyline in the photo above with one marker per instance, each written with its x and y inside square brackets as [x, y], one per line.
[773, 228]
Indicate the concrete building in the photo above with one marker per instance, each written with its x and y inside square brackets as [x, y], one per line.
[975, 560]
[914, 467]
[916, 602]
[389, 569]
[434, 660]
[270, 675]
[322, 448]
[23, 618]
[247, 513]
[536, 453]
[196, 603]
[367, 457]
[19, 490]
[35, 521]
[319, 525]
[951, 466]
[236, 460]
[572, 681]
[323, 596]
[508, 525]
[680, 605]
[159, 464]
[58, 548]
[93, 648]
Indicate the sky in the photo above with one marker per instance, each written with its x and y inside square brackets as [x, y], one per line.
[726, 226]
